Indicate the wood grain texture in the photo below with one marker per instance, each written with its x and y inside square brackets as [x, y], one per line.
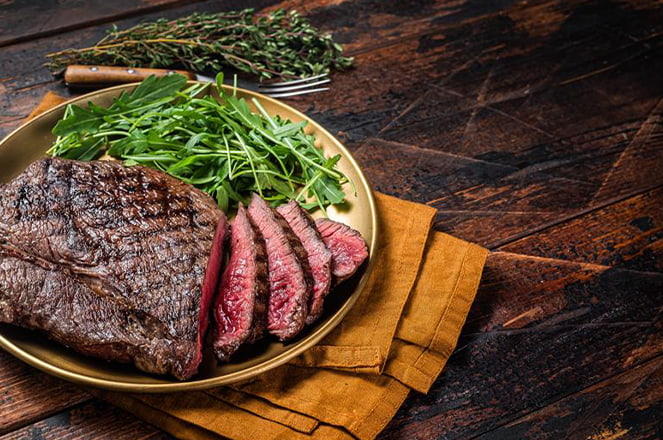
[545, 120]
[626, 234]
[534, 128]
[539, 331]
[628, 406]
[29, 19]
[92, 420]
[478, 58]
[27, 395]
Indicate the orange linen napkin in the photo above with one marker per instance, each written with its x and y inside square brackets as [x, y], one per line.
[397, 337]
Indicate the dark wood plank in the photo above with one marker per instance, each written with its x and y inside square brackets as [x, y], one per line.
[540, 330]
[551, 125]
[27, 395]
[22, 20]
[423, 91]
[552, 128]
[501, 111]
[364, 25]
[628, 405]
[92, 420]
[477, 200]
[628, 234]
[484, 201]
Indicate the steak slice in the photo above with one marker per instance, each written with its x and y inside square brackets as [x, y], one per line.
[116, 262]
[290, 281]
[319, 257]
[240, 308]
[347, 246]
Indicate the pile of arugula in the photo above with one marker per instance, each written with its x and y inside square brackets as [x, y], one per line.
[220, 146]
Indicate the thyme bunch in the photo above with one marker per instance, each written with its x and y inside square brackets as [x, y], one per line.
[278, 44]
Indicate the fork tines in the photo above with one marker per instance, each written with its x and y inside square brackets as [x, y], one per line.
[302, 86]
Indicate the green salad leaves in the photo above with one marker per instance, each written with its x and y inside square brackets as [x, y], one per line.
[221, 146]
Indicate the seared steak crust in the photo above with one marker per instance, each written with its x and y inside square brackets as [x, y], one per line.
[99, 327]
[110, 260]
[290, 279]
[319, 257]
[240, 309]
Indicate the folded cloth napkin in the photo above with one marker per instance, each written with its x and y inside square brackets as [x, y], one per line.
[397, 337]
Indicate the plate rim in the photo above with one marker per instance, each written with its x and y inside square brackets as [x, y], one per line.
[192, 385]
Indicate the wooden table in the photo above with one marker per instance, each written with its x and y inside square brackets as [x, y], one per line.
[535, 128]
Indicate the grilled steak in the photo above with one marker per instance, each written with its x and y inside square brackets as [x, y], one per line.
[319, 257]
[116, 262]
[240, 308]
[347, 246]
[290, 281]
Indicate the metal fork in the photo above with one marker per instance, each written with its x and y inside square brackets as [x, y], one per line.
[285, 89]
[79, 75]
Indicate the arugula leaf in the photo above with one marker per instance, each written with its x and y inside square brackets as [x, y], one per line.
[88, 149]
[153, 88]
[221, 146]
[78, 121]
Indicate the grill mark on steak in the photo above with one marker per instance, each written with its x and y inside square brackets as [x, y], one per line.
[290, 280]
[319, 257]
[240, 308]
[90, 279]
[109, 329]
[138, 236]
[348, 247]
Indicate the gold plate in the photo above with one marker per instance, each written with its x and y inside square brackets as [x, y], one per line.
[30, 141]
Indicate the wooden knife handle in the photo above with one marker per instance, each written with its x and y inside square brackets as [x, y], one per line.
[87, 75]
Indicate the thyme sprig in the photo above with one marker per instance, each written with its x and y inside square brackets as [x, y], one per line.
[221, 146]
[278, 44]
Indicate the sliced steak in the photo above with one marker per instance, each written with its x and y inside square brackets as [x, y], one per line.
[290, 281]
[116, 262]
[240, 308]
[319, 257]
[347, 246]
